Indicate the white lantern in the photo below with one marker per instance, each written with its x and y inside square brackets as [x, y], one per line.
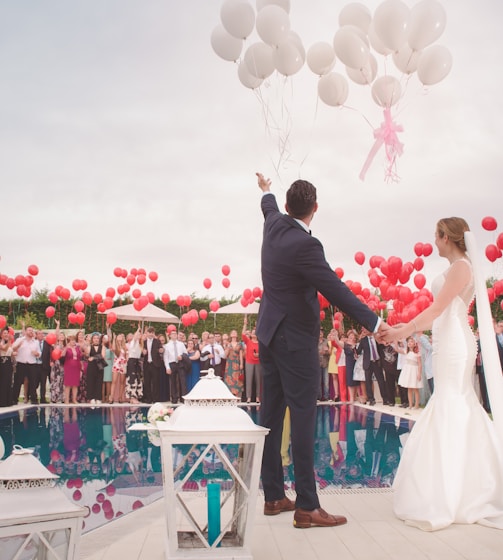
[36, 519]
[208, 429]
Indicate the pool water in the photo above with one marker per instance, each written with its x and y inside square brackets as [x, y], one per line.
[114, 471]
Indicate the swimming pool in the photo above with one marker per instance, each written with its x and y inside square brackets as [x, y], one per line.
[114, 471]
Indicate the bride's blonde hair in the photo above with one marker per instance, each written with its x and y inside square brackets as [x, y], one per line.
[455, 229]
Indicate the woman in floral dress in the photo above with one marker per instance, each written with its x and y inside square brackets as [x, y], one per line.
[56, 376]
[234, 354]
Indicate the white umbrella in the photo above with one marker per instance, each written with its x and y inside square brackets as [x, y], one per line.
[150, 313]
[238, 308]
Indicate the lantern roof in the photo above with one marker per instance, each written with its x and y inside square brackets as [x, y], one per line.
[210, 407]
[21, 469]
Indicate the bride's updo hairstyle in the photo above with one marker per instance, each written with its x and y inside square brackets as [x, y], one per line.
[455, 229]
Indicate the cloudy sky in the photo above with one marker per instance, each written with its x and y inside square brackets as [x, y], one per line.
[126, 141]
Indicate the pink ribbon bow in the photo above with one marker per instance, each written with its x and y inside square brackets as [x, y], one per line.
[386, 134]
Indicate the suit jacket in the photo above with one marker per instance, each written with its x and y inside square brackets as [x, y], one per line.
[46, 356]
[157, 359]
[294, 270]
[364, 346]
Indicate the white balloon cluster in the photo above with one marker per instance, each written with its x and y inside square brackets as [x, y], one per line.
[280, 48]
[405, 34]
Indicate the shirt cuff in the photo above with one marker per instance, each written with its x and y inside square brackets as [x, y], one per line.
[266, 192]
[378, 324]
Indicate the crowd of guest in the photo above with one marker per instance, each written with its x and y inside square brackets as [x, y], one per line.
[140, 367]
[146, 367]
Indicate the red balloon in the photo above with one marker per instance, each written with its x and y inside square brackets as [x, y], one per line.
[53, 298]
[165, 298]
[87, 298]
[499, 241]
[137, 504]
[10, 283]
[418, 249]
[207, 283]
[418, 263]
[101, 307]
[110, 292]
[65, 294]
[143, 301]
[56, 354]
[80, 319]
[50, 338]
[359, 257]
[76, 285]
[79, 305]
[98, 298]
[180, 300]
[419, 281]
[77, 495]
[427, 249]
[141, 278]
[20, 280]
[339, 272]
[203, 314]
[489, 223]
[322, 315]
[214, 306]
[33, 269]
[150, 297]
[131, 279]
[136, 293]
[226, 270]
[3, 321]
[492, 252]
[72, 318]
[187, 300]
[111, 318]
[118, 271]
[83, 284]
[110, 490]
[247, 293]
[153, 275]
[226, 282]
[49, 311]
[257, 292]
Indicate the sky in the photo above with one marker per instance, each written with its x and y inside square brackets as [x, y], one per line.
[125, 141]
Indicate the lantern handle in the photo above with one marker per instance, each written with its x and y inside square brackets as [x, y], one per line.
[19, 450]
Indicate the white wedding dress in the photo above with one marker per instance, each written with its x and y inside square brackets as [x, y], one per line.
[451, 469]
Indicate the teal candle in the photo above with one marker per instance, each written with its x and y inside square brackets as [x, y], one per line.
[213, 512]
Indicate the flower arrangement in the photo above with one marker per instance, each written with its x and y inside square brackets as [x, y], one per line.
[157, 412]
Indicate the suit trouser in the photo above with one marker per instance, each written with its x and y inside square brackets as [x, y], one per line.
[289, 378]
[44, 375]
[375, 369]
[151, 382]
[177, 382]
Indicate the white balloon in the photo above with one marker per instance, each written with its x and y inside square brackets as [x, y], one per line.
[350, 48]
[258, 59]
[376, 43]
[238, 18]
[427, 23]
[320, 58]
[333, 89]
[297, 41]
[386, 91]
[406, 59]
[355, 14]
[225, 45]
[246, 78]
[365, 75]
[273, 25]
[391, 20]
[434, 64]
[287, 58]
[285, 4]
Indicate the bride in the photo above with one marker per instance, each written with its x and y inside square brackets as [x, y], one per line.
[451, 469]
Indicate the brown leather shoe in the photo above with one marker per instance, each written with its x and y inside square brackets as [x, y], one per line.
[303, 519]
[277, 506]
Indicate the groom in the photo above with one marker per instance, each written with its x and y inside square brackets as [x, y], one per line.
[294, 270]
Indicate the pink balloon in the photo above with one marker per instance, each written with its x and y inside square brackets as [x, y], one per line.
[226, 282]
[359, 257]
[226, 270]
[207, 283]
[79, 305]
[153, 276]
[111, 318]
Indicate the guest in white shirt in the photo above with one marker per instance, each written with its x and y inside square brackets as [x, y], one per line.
[134, 375]
[28, 350]
[211, 355]
[173, 351]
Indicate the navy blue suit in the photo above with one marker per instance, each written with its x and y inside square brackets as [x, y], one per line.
[294, 269]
